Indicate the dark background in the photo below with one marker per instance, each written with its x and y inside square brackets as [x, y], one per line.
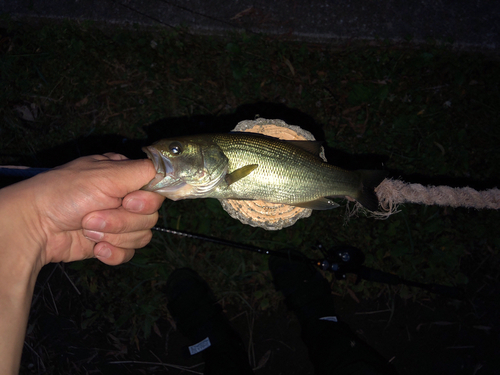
[87, 318]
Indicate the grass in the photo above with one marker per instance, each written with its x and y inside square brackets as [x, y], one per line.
[429, 114]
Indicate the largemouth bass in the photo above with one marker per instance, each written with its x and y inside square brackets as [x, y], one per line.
[252, 166]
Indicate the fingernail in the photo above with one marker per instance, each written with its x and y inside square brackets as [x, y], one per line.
[95, 223]
[134, 205]
[103, 252]
[93, 235]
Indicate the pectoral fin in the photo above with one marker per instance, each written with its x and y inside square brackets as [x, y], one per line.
[318, 204]
[238, 174]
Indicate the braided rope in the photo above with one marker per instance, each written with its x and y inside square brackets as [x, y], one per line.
[393, 192]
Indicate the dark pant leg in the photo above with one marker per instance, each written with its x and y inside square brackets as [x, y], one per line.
[227, 355]
[335, 349]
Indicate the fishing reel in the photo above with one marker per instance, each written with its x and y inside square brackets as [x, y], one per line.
[344, 259]
[341, 260]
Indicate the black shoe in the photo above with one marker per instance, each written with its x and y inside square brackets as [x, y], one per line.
[190, 302]
[307, 293]
[333, 347]
[199, 317]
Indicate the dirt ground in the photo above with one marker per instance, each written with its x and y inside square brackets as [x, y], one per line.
[435, 336]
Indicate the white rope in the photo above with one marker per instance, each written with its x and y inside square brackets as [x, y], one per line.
[393, 192]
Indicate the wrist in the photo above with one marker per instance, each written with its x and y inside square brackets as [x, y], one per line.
[21, 237]
[20, 262]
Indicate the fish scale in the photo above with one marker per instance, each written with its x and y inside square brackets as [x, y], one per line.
[284, 170]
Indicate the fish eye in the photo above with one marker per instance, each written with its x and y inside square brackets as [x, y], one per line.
[175, 148]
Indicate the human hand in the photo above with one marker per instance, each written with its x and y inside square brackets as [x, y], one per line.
[88, 207]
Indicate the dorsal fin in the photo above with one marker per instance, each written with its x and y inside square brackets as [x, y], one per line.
[238, 174]
[313, 147]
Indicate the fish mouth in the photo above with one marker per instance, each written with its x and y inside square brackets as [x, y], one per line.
[162, 165]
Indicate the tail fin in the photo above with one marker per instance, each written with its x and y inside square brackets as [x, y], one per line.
[370, 179]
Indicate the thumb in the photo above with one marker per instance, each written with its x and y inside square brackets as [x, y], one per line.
[127, 175]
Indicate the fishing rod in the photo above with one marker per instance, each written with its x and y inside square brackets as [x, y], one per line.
[340, 260]
[20, 172]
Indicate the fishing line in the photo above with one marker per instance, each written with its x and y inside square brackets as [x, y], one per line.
[207, 16]
[196, 13]
[144, 14]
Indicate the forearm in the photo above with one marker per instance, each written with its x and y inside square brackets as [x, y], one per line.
[19, 267]
[16, 291]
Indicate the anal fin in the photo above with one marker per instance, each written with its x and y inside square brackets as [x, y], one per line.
[318, 204]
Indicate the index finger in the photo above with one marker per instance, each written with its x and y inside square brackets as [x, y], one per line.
[143, 202]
